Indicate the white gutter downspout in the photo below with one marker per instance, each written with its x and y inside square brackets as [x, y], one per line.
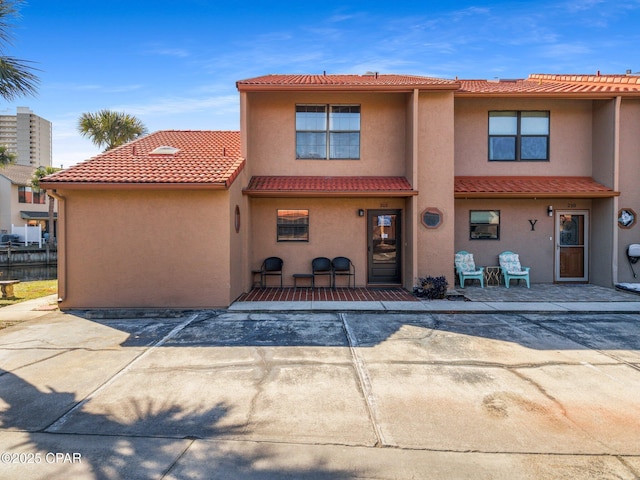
[62, 232]
[616, 188]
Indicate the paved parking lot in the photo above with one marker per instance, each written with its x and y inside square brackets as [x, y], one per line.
[224, 394]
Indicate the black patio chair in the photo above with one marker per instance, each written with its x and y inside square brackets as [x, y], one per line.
[271, 266]
[321, 266]
[343, 266]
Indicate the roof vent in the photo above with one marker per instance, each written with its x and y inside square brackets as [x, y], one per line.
[165, 150]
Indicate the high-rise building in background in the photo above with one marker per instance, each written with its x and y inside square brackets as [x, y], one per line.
[28, 136]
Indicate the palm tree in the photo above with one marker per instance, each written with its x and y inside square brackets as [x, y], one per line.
[110, 129]
[6, 157]
[16, 76]
[38, 175]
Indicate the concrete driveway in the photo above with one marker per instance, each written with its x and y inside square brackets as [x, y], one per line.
[223, 394]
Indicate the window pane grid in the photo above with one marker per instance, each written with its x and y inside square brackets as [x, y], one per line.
[328, 132]
[518, 135]
[293, 226]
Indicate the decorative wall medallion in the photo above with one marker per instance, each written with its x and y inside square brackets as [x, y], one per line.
[626, 218]
[431, 217]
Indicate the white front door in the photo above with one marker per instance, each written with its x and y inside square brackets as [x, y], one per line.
[572, 246]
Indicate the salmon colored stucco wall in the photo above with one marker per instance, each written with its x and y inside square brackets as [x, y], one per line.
[629, 185]
[435, 174]
[570, 144]
[535, 247]
[602, 261]
[271, 137]
[239, 263]
[145, 248]
[582, 143]
[335, 229]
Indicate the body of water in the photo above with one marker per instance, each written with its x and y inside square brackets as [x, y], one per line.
[29, 273]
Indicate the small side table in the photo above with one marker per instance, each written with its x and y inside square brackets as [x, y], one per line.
[297, 276]
[492, 275]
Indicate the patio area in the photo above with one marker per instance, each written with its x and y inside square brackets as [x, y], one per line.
[539, 292]
[546, 292]
[323, 294]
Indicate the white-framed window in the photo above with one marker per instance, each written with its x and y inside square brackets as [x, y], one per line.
[518, 136]
[328, 132]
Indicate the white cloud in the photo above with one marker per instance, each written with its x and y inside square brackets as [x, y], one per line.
[172, 52]
[181, 105]
[95, 87]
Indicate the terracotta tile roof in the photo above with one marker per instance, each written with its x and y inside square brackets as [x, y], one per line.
[18, 174]
[203, 158]
[330, 186]
[337, 82]
[542, 84]
[530, 187]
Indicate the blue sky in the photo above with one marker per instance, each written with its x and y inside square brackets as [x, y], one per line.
[174, 64]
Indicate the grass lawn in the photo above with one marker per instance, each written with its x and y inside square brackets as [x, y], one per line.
[29, 290]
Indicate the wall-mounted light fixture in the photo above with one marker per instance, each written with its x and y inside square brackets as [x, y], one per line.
[361, 212]
[550, 210]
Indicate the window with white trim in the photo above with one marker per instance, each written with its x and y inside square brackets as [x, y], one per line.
[328, 132]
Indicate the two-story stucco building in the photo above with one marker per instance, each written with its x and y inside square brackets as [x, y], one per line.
[395, 172]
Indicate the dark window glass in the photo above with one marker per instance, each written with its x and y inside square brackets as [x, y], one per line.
[518, 136]
[39, 197]
[293, 226]
[328, 131]
[484, 225]
[25, 195]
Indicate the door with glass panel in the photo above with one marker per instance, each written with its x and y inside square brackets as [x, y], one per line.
[572, 246]
[384, 247]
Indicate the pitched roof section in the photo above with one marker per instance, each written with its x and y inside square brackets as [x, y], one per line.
[202, 158]
[536, 84]
[283, 186]
[346, 82]
[555, 85]
[530, 187]
[18, 174]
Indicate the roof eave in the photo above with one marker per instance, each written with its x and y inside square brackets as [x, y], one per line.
[535, 195]
[319, 194]
[132, 186]
[346, 88]
[566, 95]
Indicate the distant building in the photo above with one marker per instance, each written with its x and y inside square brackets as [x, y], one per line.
[28, 136]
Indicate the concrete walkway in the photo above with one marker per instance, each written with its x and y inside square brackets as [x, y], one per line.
[335, 394]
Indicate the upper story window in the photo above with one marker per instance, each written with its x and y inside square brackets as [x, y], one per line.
[328, 132]
[518, 136]
[29, 195]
